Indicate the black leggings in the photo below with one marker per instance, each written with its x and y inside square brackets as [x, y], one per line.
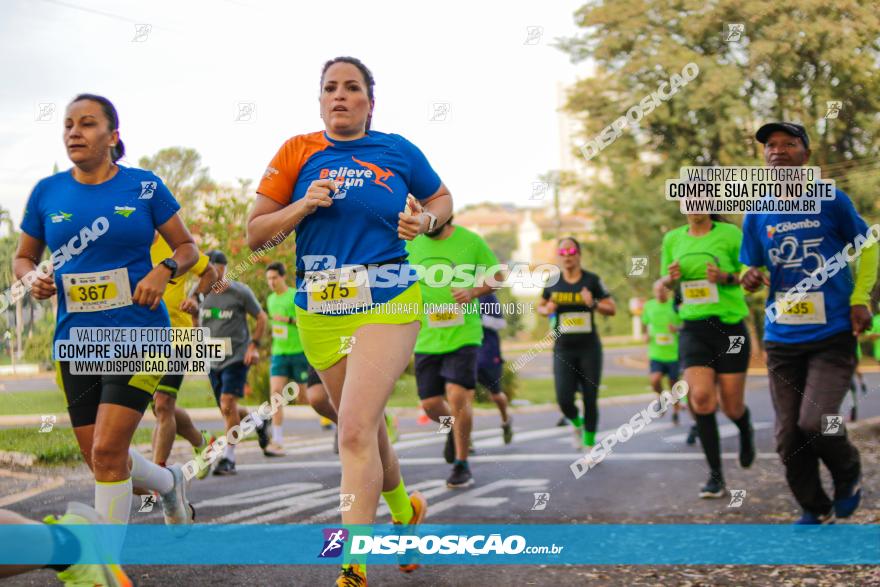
[578, 367]
[86, 392]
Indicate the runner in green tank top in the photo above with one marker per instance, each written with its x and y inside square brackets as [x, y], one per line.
[662, 323]
[701, 261]
[288, 360]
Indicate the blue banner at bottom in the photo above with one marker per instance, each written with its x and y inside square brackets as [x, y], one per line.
[571, 544]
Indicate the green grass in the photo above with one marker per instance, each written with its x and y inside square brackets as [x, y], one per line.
[59, 446]
[51, 448]
[195, 393]
[537, 391]
[541, 391]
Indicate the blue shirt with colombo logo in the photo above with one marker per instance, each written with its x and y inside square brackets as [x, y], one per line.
[375, 172]
[792, 246]
[118, 219]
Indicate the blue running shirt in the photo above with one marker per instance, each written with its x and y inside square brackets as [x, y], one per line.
[375, 173]
[792, 246]
[98, 228]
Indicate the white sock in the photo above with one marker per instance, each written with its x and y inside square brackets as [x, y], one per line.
[147, 475]
[229, 452]
[113, 500]
[277, 434]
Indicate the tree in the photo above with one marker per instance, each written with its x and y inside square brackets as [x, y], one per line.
[557, 179]
[795, 56]
[221, 225]
[502, 243]
[181, 170]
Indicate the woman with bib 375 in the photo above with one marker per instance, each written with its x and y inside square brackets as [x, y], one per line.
[344, 190]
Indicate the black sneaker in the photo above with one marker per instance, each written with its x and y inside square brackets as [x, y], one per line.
[747, 448]
[460, 477]
[336, 441]
[225, 467]
[449, 449]
[714, 488]
[692, 436]
[507, 431]
[264, 434]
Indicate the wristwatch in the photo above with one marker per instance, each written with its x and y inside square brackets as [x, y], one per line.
[432, 221]
[171, 264]
[729, 279]
[255, 342]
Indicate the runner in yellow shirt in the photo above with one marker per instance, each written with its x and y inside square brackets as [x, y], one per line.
[170, 419]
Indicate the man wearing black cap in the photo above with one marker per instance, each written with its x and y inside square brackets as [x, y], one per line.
[224, 311]
[810, 337]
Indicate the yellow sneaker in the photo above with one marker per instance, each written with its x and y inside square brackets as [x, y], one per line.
[199, 455]
[88, 575]
[352, 576]
[420, 510]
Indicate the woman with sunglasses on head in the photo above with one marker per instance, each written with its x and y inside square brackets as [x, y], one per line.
[99, 219]
[702, 259]
[577, 354]
[344, 190]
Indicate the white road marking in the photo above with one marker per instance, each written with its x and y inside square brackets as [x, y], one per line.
[261, 495]
[724, 431]
[429, 489]
[46, 485]
[515, 458]
[282, 507]
[474, 497]
[291, 505]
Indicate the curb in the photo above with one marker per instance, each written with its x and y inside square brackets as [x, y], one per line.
[17, 459]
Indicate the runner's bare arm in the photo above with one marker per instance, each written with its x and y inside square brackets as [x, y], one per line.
[149, 290]
[463, 296]
[413, 222]
[178, 237]
[260, 327]
[546, 307]
[270, 222]
[29, 252]
[207, 278]
[753, 279]
[671, 279]
[252, 355]
[606, 307]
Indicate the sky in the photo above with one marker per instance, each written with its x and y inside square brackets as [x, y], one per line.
[472, 84]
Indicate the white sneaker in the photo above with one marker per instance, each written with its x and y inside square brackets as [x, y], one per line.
[175, 506]
[577, 441]
[273, 449]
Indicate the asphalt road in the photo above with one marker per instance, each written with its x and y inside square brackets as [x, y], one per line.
[653, 478]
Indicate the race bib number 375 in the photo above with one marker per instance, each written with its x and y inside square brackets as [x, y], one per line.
[335, 290]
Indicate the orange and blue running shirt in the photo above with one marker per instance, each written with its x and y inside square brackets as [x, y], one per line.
[375, 173]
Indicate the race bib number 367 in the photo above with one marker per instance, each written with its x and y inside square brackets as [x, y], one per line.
[95, 292]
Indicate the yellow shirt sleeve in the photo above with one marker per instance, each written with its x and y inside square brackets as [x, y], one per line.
[200, 265]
